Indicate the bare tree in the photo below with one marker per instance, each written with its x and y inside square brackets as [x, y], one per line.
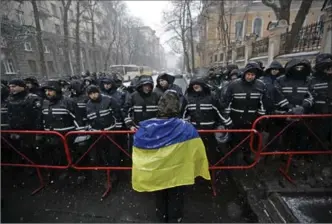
[92, 11]
[176, 23]
[190, 22]
[81, 7]
[134, 38]
[114, 9]
[66, 6]
[39, 38]
[282, 11]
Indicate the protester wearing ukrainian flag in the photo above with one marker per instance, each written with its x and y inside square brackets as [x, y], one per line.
[167, 154]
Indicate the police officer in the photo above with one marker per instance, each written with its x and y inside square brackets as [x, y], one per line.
[142, 104]
[24, 113]
[166, 82]
[103, 113]
[322, 88]
[203, 111]
[60, 113]
[244, 101]
[33, 86]
[297, 89]
[80, 98]
[276, 103]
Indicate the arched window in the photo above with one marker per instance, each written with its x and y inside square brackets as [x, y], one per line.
[238, 30]
[257, 26]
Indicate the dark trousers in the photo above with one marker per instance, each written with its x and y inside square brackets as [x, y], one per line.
[211, 146]
[323, 130]
[170, 204]
[105, 152]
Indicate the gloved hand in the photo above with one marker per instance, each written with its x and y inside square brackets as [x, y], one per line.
[14, 136]
[298, 110]
[39, 137]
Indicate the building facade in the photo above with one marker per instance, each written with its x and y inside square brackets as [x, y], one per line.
[19, 50]
[241, 19]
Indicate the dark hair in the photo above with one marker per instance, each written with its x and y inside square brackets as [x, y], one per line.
[169, 105]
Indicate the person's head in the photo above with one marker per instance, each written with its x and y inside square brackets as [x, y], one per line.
[169, 105]
[275, 71]
[234, 74]
[324, 64]
[298, 69]
[93, 92]
[164, 80]
[197, 88]
[163, 83]
[250, 75]
[147, 88]
[145, 84]
[107, 85]
[50, 93]
[52, 89]
[16, 86]
[31, 82]
[251, 72]
[87, 82]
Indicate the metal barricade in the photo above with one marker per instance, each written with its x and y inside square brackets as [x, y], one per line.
[217, 165]
[75, 164]
[293, 119]
[213, 168]
[33, 164]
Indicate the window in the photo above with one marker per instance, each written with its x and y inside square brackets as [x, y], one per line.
[3, 42]
[239, 30]
[50, 67]
[305, 21]
[46, 50]
[211, 59]
[54, 11]
[257, 27]
[33, 66]
[57, 29]
[87, 36]
[61, 12]
[42, 25]
[27, 46]
[221, 57]
[74, 32]
[320, 23]
[216, 58]
[19, 17]
[8, 66]
[71, 14]
[61, 51]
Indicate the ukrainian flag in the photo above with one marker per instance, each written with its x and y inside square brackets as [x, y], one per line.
[167, 153]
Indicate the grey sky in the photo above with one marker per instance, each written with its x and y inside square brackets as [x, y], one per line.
[150, 12]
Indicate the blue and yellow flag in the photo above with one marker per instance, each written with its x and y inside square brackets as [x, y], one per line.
[167, 153]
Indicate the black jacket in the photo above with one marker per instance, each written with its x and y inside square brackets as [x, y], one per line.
[141, 106]
[245, 101]
[322, 85]
[60, 113]
[276, 101]
[80, 98]
[24, 111]
[171, 86]
[104, 113]
[295, 85]
[203, 110]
